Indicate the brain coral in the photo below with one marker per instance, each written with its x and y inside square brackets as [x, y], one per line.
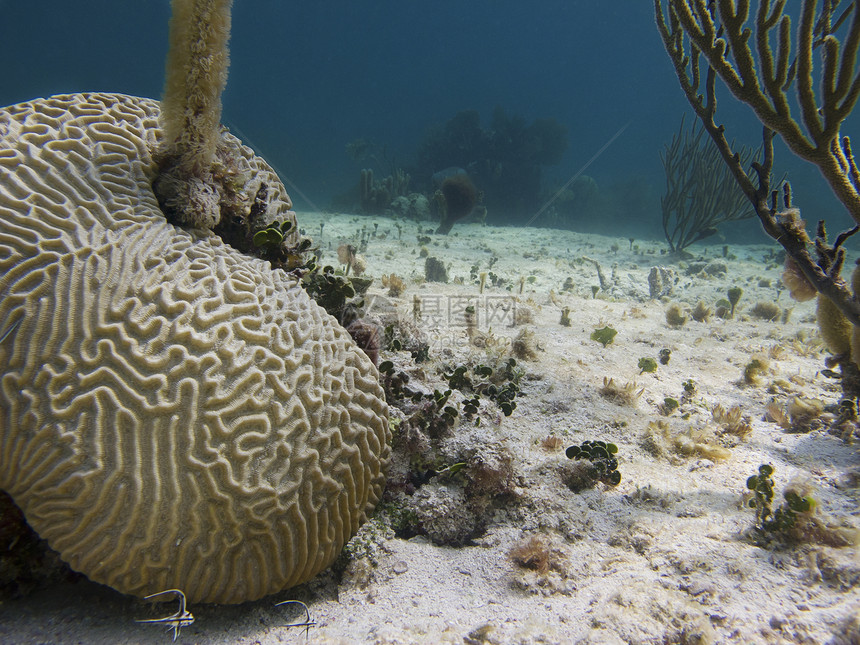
[173, 414]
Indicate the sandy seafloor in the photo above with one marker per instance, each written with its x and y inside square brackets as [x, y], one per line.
[661, 558]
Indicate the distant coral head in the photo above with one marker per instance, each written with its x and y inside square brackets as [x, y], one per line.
[460, 199]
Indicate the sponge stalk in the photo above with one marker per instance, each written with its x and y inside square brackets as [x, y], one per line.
[196, 75]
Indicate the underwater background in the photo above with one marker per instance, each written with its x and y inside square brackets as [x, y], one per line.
[323, 89]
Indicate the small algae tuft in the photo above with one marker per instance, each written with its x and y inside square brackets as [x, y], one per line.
[394, 283]
[755, 369]
[565, 317]
[647, 364]
[661, 440]
[701, 312]
[668, 406]
[604, 335]
[675, 316]
[769, 311]
[734, 294]
[602, 457]
[537, 554]
[524, 345]
[626, 394]
[732, 421]
[268, 240]
[792, 521]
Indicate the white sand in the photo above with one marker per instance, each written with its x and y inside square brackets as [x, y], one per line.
[661, 558]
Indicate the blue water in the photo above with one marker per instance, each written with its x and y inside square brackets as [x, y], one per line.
[308, 78]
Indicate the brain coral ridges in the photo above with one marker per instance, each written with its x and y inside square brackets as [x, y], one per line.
[173, 414]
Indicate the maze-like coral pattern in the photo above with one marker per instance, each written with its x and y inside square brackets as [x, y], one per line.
[173, 414]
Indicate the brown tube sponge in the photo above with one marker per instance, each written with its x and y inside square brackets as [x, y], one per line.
[855, 331]
[173, 413]
[798, 285]
[835, 329]
[192, 161]
[196, 75]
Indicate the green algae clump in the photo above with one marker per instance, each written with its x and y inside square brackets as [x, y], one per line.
[604, 335]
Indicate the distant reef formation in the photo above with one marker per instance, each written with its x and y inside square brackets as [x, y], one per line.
[504, 160]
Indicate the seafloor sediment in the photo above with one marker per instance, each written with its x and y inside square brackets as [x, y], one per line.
[666, 556]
